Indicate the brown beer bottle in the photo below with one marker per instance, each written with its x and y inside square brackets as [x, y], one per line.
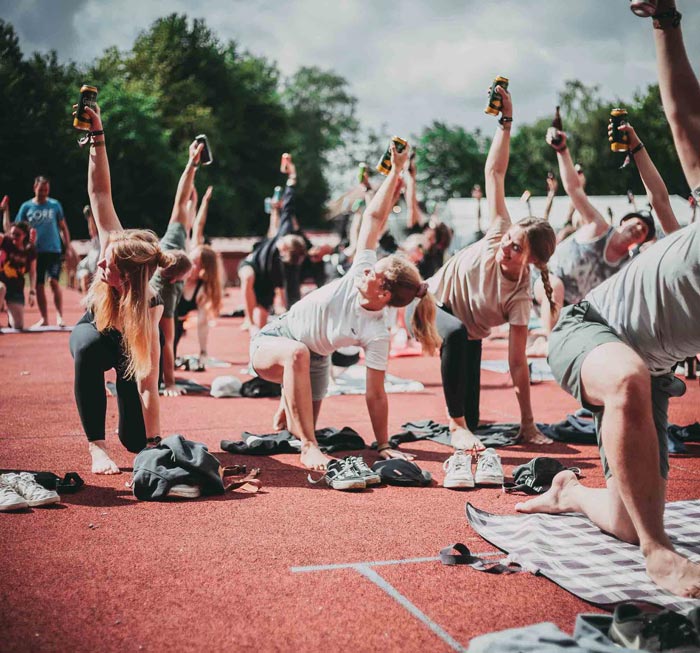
[558, 126]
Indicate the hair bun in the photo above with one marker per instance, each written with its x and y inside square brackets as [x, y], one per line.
[422, 290]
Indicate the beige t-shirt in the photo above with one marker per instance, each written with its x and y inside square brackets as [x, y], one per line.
[472, 286]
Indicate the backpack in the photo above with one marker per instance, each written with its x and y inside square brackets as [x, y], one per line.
[535, 476]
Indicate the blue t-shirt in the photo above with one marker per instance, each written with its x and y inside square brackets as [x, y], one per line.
[44, 218]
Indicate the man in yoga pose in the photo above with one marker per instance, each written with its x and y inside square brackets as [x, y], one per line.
[635, 327]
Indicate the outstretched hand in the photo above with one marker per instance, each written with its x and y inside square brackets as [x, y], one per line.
[95, 116]
[398, 159]
[506, 101]
[387, 454]
[625, 127]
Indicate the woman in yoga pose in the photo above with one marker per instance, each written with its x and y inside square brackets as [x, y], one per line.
[120, 328]
[295, 349]
[483, 286]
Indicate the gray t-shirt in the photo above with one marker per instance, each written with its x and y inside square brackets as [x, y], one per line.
[175, 238]
[654, 302]
[583, 266]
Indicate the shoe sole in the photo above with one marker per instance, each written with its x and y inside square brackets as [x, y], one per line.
[458, 484]
[489, 480]
[185, 494]
[372, 480]
[20, 505]
[357, 484]
[43, 502]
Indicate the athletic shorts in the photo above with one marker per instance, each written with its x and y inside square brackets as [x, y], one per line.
[14, 296]
[320, 365]
[578, 332]
[47, 264]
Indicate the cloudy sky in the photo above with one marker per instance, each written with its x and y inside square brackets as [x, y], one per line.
[407, 62]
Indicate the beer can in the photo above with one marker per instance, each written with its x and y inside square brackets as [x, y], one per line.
[495, 101]
[619, 141]
[361, 172]
[277, 194]
[88, 97]
[206, 157]
[384, 165]
[284, 163]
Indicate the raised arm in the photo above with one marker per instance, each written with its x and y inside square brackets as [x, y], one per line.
[201, 219]
[680, 93]
[377, 213]
[552, 185]
[6, 220]
[573, 184]
[180, 212]
[497, 162]
[99, 182]
[654, 184]
[414, 216]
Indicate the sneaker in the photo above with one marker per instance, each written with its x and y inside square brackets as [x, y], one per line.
[182, 491]
[458, 470]
[665, 631]
[367, 474]
[9, 499]
[489, 470]
[342, 475]
[26, 486]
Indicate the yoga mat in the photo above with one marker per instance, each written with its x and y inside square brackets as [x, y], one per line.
[40, 329]
[352, 382]
[191, 387]
[539, 368]
[571, 551]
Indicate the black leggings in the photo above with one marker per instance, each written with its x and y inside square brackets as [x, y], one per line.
[460, 366]
[94, 353]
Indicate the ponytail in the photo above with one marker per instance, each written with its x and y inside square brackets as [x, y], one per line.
[548, 288]
[173, 264]
[423, 325]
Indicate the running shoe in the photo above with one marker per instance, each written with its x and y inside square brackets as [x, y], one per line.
[10, 500]
[458, 470]
[26, 486]
[489, 470]
[665, 631]
[369, 476]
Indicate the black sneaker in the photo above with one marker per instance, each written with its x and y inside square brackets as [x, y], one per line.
[665, 631]
[369, 476]
[342, 475]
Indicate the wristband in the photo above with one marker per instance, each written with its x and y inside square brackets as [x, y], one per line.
[98, 132]
[666, 19]
[636, 149]
[504, 119]
[383, 447]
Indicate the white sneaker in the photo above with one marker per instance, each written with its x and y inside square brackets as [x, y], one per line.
[458, 470]
[9, 499]
[26, 486]
[489, 470]
[183, 491]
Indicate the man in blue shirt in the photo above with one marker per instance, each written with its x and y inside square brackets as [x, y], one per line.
[46, 216]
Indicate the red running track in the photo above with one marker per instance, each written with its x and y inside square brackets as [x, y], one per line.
[104, 572]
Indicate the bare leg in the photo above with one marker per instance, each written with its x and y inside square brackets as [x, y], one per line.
[286, 361]
[41, 303]
[631, 446]
[15, 313]
[57, 300]
[260, 316]
[3, 290]
[279, 421]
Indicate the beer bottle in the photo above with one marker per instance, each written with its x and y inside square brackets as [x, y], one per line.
[384, 165]
[495, 102]
[619, 141]
[361, 170]
[558, 126]
[88, 97]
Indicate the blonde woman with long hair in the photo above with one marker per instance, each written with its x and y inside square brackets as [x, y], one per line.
[202, 289]
[120, 328]
[295, 349]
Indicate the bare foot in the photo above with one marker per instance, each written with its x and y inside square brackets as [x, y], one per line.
[539, 348]
[673, 572]
[461, 438]
[59, 321]
[313, 458]
[279, 421]
[41, 323]
[554, 500]
[101, 462]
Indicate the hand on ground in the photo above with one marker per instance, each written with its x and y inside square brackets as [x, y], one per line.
[173, 391]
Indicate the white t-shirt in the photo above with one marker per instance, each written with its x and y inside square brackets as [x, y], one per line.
[331, 317]
[654, 302]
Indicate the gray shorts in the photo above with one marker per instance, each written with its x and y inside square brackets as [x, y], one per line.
[578, 332]
[320, 365]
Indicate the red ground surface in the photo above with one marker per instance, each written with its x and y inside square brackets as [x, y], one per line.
[104, 572]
